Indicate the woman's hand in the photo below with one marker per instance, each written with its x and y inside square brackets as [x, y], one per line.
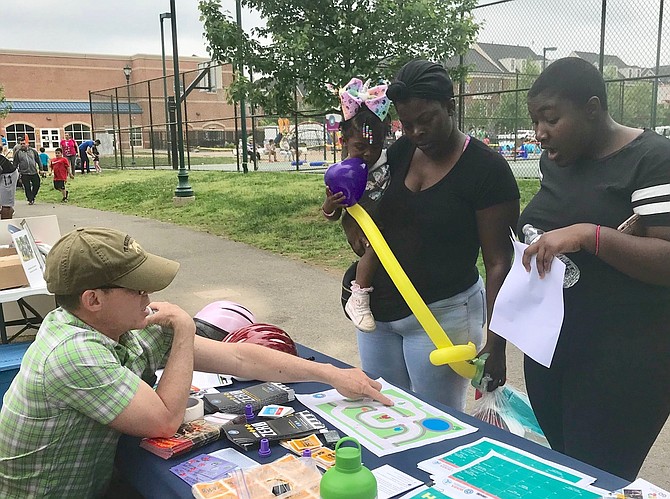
[495, 366]
[560, 241]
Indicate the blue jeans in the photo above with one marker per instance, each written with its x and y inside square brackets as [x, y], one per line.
[398, 351]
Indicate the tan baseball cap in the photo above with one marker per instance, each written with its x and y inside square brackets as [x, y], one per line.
[92, 257]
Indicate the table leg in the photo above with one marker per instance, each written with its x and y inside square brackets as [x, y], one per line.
[3, 328]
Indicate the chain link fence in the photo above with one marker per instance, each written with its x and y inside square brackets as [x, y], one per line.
[133, 123]
[626, 39]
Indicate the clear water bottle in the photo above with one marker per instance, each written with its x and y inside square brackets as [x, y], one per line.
[532, 234]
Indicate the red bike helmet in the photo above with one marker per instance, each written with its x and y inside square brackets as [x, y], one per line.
[220, 318]
[266, 335]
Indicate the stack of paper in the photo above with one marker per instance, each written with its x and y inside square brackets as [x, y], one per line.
[488, 469]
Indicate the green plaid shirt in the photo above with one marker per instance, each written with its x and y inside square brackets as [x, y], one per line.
[54, 435]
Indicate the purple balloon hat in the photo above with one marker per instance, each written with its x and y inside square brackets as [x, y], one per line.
[348, 177]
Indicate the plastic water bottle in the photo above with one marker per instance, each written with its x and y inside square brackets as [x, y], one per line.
[348, 478]
[532, 234]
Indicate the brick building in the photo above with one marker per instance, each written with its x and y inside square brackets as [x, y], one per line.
[48, 95]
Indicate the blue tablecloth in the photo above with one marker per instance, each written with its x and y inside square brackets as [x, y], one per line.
[151, 475]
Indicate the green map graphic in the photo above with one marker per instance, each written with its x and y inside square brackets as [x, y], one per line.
[407, 422]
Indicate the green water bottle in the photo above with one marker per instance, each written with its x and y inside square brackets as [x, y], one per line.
[348, 479]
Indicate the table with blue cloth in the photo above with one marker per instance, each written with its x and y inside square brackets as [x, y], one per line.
[151, 475]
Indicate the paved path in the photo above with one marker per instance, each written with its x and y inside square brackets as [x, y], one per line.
[300, 298]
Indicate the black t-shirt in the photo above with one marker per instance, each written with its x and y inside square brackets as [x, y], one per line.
[6, 166]
[433, 233]
[606, 192]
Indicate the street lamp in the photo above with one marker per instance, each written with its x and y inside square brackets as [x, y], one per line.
[183, 192]
[126, 71]
[165, 15]
[544, 55]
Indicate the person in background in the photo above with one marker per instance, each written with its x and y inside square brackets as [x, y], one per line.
[604, 399]
[60, 167]
[3, 145]
[69, 147]
[272, 151]
[96, 158]
[88, 376]
[44, 162]
[27, 160]
[9, 175]
[84, 149]
[449, 197]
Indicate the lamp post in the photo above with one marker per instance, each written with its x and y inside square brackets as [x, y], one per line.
[184, 191]
[544, 55]
[165, 15]
[126, 71]
[243, 111]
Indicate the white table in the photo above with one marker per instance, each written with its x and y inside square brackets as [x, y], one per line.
[30, 317]
[46, 230]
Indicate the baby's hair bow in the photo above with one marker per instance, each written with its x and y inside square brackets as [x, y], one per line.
[356, 93]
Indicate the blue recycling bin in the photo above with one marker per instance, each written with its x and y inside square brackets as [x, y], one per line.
[10, 362]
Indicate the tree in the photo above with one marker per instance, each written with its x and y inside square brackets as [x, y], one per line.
[325, 43]
[4, 107]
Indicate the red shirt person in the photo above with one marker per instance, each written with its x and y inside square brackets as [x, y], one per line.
[61, 170]
[70, 151]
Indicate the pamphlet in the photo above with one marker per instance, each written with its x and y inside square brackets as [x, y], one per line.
[203, 468]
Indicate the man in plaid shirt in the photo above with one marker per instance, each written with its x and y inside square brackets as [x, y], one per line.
[88, 376]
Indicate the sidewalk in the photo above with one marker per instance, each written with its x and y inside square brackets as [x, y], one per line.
[299, 298]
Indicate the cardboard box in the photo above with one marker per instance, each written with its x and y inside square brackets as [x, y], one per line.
[12, 274]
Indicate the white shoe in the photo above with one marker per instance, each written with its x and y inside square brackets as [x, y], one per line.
[358, 310]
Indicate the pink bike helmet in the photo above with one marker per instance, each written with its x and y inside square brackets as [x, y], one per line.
[266, 335]
[220, 318]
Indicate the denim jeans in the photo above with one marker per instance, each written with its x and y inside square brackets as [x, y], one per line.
[398, 351]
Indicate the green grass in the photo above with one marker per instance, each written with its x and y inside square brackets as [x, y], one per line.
[162, 159]
[278, 212]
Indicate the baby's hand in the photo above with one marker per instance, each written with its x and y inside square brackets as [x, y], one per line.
[333, 201]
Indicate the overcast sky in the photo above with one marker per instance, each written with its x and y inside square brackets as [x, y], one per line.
[127, 27]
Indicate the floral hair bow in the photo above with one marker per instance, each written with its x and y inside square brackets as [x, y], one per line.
[356, 93]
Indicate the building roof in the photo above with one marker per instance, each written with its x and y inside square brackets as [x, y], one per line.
[70, 107]
[608, 60]
[498, 52]
[476, 61]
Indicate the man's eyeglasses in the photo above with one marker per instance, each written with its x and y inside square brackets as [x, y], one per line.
[141, 293]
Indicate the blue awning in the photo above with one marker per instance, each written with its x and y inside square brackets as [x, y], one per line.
[43, 107]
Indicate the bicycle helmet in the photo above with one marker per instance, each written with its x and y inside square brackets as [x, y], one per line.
[266, 335]
[220, 318]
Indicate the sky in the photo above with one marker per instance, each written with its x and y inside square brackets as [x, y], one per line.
[127, 27]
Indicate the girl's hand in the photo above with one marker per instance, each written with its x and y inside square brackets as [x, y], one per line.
[560, 241]
[333, 201]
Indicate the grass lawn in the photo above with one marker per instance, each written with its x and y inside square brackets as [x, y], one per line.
[278, 212]
[144, 160]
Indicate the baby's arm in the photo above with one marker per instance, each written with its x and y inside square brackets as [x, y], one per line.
[332, 206]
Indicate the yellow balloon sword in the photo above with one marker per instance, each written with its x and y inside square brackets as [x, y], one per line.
[459, 357]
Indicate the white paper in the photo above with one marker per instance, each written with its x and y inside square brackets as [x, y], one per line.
[648, 489]
[528, 311]
[202, 381]
[29, 260]
[442, 465]
[409, 424]
[230, 454]
[392, 481]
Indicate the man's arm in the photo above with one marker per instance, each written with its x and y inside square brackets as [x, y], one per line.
[265, 364]
[159, 413]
